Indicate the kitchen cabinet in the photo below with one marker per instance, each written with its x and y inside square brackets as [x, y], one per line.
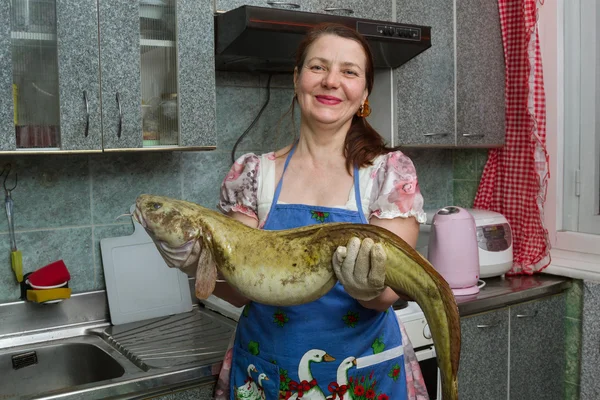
[106, 75]
[537, 349]
[519, 349]
[483, 372]
[202, 392]
[452, 95]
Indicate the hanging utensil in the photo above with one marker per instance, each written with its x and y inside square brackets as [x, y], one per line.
[16, 258]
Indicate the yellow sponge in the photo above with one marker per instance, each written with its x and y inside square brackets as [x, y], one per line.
[44, 295]
[16, 260]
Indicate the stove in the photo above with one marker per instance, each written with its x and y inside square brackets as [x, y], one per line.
[415, 324]
[419, 335]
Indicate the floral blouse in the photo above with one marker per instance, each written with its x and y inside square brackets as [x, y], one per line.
[389, 188]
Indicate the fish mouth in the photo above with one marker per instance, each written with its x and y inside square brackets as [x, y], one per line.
[137, 215]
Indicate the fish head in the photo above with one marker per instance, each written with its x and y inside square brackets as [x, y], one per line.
[169, 220]
[177, 229]
[174, 227]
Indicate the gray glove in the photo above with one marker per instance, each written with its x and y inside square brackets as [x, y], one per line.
[360, 267]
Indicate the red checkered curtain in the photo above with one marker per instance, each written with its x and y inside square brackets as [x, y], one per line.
[515, 177]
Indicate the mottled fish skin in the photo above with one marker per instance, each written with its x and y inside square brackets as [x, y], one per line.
[291, 267]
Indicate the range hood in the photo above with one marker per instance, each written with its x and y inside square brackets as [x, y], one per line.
[252, 38]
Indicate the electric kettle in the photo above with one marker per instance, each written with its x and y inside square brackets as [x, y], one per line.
[453, 249]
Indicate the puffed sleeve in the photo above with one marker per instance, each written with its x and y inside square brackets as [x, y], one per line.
[240, 187]
[395, 191]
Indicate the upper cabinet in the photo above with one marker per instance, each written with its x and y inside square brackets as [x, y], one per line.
[453, 93]
[106, 75]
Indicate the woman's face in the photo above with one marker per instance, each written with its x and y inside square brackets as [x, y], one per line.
[331, 85]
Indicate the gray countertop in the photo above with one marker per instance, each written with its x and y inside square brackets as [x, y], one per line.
[504, 291]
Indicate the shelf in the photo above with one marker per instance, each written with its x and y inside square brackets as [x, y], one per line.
[33, 36]
[157, 43]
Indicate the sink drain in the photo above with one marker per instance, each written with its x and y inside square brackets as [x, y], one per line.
[24, 360]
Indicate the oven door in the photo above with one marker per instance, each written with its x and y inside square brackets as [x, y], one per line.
[430, 372]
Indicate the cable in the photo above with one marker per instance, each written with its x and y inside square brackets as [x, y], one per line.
[253, 122]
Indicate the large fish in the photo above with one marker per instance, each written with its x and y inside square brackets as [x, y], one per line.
[291, 267]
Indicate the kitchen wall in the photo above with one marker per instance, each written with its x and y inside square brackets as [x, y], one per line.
[64, 204]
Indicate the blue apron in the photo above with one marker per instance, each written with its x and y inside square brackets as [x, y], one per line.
[330, 348]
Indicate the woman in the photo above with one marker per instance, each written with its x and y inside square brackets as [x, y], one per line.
[345, 345]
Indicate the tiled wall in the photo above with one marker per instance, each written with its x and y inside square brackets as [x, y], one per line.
[64, 204]
[467, 166]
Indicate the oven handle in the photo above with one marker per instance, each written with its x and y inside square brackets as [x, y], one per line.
[425, 354]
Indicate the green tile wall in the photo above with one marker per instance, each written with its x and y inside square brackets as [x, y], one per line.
[467, 166]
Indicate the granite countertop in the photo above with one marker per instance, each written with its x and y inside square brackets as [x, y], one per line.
[503, 291]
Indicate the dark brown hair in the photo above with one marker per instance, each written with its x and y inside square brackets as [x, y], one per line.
[363, 143]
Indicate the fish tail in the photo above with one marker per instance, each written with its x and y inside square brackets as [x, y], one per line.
[433, 294]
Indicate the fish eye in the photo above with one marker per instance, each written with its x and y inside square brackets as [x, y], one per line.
[157, 206]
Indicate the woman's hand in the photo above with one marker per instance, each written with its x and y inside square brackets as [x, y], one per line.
[360, 267]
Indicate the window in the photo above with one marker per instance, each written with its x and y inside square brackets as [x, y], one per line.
[582, 117]
[571, 63]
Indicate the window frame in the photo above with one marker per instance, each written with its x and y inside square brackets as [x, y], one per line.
[589, 220]
[573, 254]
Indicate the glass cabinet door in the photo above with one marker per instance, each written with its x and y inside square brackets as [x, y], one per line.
[158, 61]
[34, 52]
[54, 66]
[177, 73]
[158, 91]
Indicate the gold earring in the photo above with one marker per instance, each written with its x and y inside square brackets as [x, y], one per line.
[364, 110]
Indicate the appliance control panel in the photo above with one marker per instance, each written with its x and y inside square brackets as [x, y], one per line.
[496, 237]
[391, 30]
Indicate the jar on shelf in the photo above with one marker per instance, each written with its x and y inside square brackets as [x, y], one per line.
[169, 122]
[150, 122]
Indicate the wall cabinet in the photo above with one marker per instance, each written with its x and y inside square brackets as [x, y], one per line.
[106, 75]
[453, 93]
[519, 349]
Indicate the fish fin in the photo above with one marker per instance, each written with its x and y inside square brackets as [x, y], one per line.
[206, 275]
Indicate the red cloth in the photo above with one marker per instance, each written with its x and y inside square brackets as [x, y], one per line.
[515, 177]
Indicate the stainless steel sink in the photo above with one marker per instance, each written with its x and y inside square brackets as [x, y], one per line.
[69, 359]
[55, 366]
[42, 369]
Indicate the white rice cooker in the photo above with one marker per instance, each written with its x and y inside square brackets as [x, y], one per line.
[494, 239]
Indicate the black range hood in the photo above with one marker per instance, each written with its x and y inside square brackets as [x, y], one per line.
[252, 38]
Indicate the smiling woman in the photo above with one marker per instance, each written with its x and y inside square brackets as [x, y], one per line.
[330, 87]
[337, 170]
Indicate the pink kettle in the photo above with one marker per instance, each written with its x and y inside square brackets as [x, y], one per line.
[453, 249]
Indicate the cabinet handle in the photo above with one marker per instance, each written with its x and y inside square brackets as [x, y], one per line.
[283, 3]
[120, 116]
[87, 113]
[527, 315]
[473, 135]
[436, 134]
[346, 10]
[486, 326]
